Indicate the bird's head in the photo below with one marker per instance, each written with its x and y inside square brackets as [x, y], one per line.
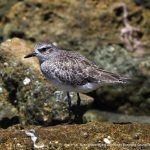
[42, 51]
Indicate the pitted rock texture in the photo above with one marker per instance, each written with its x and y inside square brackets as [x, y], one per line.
[89, 136]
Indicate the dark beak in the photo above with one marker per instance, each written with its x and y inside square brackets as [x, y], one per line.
[30, 55]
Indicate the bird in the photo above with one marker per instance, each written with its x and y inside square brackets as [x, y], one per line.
[71, 71]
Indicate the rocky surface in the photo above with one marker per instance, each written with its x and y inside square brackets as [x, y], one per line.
[144, 3]
[105, 116]
[71, 24]
[132, 98]
[80, 137]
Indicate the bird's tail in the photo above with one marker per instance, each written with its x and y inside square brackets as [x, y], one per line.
[111, 78]
[123, 79]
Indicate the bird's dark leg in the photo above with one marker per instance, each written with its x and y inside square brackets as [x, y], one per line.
[69, 105]
[77, 115]
[78, 100]
[69, 100]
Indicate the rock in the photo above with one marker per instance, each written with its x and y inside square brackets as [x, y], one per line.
[71, 24]
[87, 136]
[94, 115]
[7, 110]
[26, 93]
[145, 3]
[5, 6]
[86, 100]
[19, 48]
[103, 116]
[74, 25]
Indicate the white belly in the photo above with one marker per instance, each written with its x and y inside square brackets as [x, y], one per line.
[88, 87]
[82, 88]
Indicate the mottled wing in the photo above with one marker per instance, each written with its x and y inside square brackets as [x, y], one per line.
[69, 71]
[97, 75]
[93, 74]
[73, 69]
[110, 78]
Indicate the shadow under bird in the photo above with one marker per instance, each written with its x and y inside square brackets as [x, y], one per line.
[72, 72]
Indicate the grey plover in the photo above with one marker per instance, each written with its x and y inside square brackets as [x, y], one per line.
[70, 71]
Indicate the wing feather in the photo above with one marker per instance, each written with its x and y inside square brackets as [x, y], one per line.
[77, 70]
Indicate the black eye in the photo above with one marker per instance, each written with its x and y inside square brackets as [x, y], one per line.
[43, 49]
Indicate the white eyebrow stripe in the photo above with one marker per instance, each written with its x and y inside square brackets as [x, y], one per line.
[42, 45]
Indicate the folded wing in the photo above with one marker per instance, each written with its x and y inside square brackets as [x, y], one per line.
[77, 70]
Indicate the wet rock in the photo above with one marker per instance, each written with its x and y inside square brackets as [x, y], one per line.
[93, 135]
[26, 93]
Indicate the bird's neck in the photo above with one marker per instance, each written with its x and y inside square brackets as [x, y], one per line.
[42, 59]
